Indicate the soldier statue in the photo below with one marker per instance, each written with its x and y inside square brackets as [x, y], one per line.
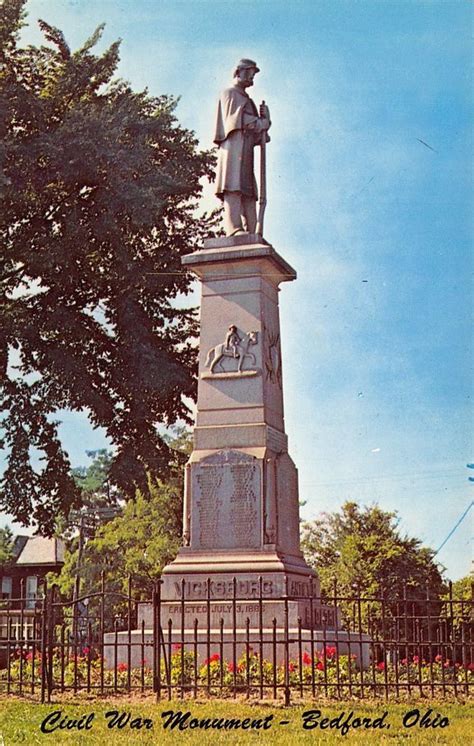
[239, 128]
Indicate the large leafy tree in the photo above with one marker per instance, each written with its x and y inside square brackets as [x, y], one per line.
[99, 204]
[363, 550]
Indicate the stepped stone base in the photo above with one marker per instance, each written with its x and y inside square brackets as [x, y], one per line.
[271, 572]
[232, 647]
[242, 613]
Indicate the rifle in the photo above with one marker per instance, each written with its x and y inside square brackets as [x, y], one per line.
[262, 202]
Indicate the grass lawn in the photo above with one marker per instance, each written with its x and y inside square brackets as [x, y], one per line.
[20, 722]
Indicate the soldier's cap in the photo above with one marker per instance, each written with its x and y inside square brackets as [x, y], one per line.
[245, 64]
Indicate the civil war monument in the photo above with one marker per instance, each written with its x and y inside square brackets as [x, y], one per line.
[240, 569]
[241, 512]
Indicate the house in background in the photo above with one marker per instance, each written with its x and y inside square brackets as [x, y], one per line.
[33, 558]
[20, 586]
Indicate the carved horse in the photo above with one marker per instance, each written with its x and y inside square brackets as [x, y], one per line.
[220, 351]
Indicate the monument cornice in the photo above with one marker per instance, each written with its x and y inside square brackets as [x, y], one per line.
[251, 254]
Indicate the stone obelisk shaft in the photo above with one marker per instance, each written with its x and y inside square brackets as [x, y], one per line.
[241, 515]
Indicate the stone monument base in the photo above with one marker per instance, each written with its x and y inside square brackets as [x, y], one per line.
[230, 587]
[229, 615]
[275, 644]
[197, 575]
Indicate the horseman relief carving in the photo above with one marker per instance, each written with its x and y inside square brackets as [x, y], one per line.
[236, 347]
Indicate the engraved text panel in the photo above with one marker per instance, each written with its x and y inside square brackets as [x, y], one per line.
[226, 502]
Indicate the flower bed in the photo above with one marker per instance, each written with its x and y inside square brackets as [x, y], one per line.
[182, 672]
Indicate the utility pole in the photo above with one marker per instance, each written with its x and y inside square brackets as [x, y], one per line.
[86, 520]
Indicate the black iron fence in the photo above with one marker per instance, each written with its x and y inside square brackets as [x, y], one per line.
[111, 641]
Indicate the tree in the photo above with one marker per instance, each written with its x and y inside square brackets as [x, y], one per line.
[100, 188]
[100, 502]
[463, 589]
[6, 545]
[363, 549]
[94, 480]
[459, 609]
[138, 543]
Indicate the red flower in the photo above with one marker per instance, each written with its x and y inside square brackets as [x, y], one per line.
[291, 666]
[381, 666]
[122, 667]
[306, 658]
[213, 659]
[447, 663]
[416, 659]
[320, 666]
[86, 651]
[330, 651]
[439, 659]
[404, 661]
[176, 646]
[143, 662]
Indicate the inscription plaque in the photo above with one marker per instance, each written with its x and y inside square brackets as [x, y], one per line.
[227, 489]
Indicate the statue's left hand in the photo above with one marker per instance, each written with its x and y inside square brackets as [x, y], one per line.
[265, 112]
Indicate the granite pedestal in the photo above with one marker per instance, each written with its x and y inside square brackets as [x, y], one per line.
[241, 512]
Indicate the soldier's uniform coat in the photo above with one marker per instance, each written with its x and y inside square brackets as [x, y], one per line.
[238, 130]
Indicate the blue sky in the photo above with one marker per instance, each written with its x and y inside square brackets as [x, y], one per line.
[376, 332]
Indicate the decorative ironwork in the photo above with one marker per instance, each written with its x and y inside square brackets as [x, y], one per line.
[421, 647]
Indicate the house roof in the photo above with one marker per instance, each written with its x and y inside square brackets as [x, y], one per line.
[38, 550]
[18, 545]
